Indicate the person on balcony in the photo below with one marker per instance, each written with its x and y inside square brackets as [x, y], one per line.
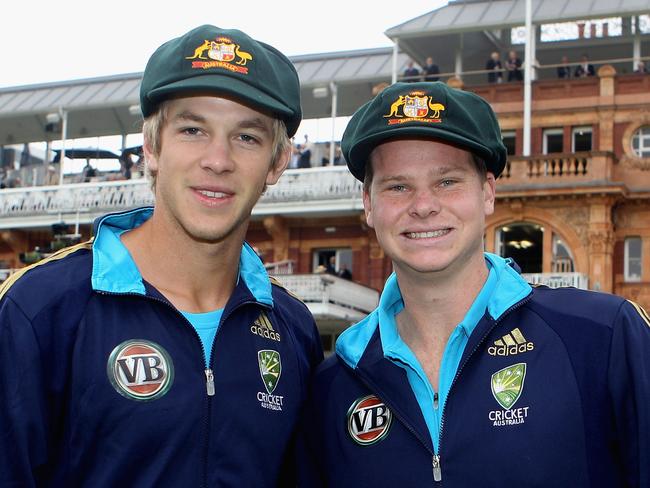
[564, 70]
[585, 68]
[464, 364]
[160, 353]
[513, 67]
[411, 73]
[494, 68]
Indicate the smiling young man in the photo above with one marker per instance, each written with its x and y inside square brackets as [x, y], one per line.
[160, 353]
[465, 375]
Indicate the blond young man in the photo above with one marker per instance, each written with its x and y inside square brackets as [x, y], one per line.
[160, 353]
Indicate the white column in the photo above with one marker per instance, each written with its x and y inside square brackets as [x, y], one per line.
[335, 94]
[64, 135]
[636, 46]
[458, 68]
[528, 71]
[395, 53]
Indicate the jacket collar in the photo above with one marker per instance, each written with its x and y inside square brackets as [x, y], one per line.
[114, 271]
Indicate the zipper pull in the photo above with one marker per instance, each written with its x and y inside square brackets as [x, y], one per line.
[209, 382]
[435, 401]
[437, 470]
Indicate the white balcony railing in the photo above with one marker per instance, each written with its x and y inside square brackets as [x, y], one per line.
[332, 290]
[92, 199]
[556, 280]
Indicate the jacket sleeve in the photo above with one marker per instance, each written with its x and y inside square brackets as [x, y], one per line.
[23, 404]
[629, 385]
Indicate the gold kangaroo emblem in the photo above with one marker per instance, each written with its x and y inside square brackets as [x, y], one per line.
[436, 107]
[198, 52]
[244, 57]
[395, 106]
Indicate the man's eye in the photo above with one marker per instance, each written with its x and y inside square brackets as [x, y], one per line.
[447, 182]
[398, 188]
[247, 138]
[191, 131]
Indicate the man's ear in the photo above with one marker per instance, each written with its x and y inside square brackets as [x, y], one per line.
[149, 156]
[367, 207]
[489, 193]
[278, 166]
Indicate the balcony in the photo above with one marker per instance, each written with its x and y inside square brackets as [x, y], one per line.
[557, 280]
[325, 189]
[332, 299]
[557, 170]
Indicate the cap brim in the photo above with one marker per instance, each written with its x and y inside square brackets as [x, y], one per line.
[360, 153]
[226, 85]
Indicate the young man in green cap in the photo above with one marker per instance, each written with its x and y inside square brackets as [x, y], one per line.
[160, 353]
[465, 375]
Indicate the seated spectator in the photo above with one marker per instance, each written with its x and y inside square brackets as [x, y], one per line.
[513, 66]
[495, 68]
[431, 70]
[564, 71]
[584, 69]
[641, 67]
[88, 172]
[411, 73]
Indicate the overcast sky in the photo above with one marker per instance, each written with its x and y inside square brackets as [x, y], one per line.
[44, 41]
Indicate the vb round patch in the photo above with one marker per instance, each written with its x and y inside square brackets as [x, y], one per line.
[140, 370]
[368, 420]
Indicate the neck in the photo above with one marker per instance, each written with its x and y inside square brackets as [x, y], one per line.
[435, 303]
[194, 276]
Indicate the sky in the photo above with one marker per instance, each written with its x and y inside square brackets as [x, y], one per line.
[46, 41]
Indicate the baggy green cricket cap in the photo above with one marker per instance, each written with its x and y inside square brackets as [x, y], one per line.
[212, 60]
[427, 110]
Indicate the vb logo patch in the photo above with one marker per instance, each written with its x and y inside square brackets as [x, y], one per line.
[507, 385]
[369, 420]
[140, 370]
[270, 370]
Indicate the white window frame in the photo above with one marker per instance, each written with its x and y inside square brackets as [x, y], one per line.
[575, 130]
[644, 141]
[551, 132]
[628, 259]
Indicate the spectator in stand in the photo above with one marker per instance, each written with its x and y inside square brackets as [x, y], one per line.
[295, 154]
[585, 68]
[494, 68]
[338, 157]
[88, 172]
[411, 73]
[564, 71]
[431, 70]
[344, 272]
[641, 67]
[513, 66]
[304, 160]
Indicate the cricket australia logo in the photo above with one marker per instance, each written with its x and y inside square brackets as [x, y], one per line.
[140, 370]
[507, 385]
[415, 106]
[270, 371]
[221, 52]
[369, 420]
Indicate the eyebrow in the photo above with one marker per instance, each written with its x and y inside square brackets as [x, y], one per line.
[441, 171]
[251, 123]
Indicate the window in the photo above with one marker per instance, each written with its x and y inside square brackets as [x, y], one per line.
[331, 260]
[581, 139]
[522, 242]
[553, 141]
[633, 259]
[509, 140]
[641, 142]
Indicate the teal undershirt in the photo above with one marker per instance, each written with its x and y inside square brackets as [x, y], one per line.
[206, 325]
[396, 350]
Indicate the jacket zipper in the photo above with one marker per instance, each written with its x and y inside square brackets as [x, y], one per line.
[209, 376]
[437, 468]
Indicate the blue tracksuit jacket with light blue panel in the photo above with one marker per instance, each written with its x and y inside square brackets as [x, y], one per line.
[539, 387]
[104, 383]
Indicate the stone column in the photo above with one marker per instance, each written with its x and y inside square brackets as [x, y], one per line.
[277, 228]
[601, 245]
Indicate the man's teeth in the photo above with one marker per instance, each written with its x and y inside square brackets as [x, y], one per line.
[212, 194]
[429, 234]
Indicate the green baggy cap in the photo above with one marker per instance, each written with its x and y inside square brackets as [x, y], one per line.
[210, 59]
[429, 110]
